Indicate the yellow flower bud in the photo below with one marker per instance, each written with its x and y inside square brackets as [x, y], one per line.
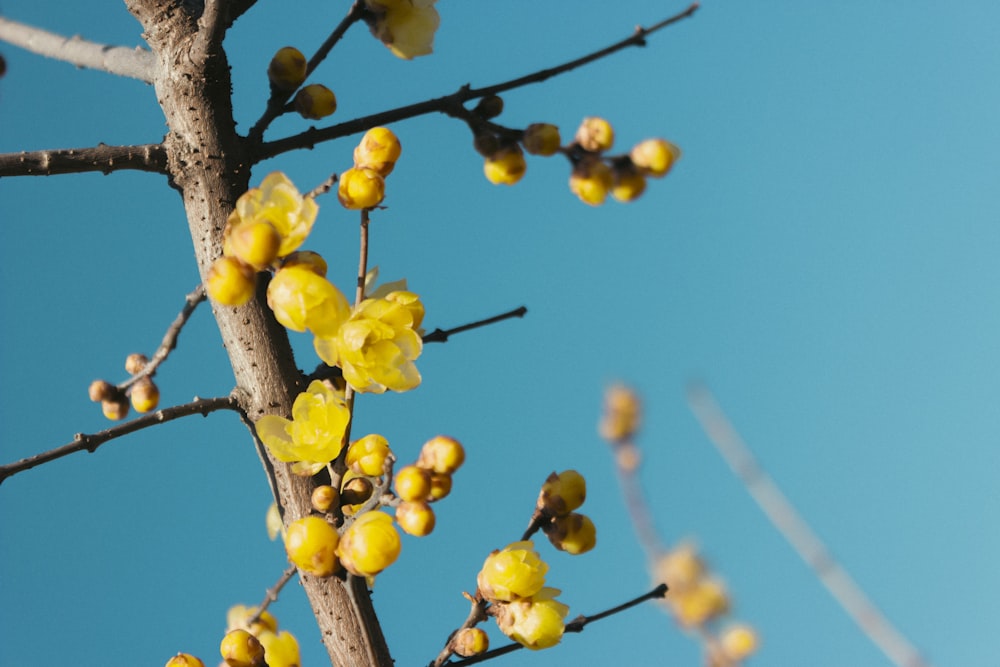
[369, 545]
[360, 188]
[102, 390]
[407, 28]
[239, 615]
[590, 181]
[115, 408]
[367, 455]
[280, 650]
[537, 622]
[311, 545]
[306, 259]
[506, 166]
[739, 642]
[627, 182]
[441, 454]
[315, 101]
[622, 411]
[230, 281]
[470, 641]
[574, 533]
[255, 242]
[440, 485]
[378, 150]
[135, 362]
[184, 660]
[287, 69]
[516, 571]
[302, 300]
[356, 491]
[412, 484]
[239, 648]
[595, 134]
[145, 395]
[415, 518]
[562, 493]
[655, 156]
[324, 497]
[541, 139]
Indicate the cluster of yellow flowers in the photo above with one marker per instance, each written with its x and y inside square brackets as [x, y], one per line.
[697, 599]
[407, 27]
[250, 644]
[143, 393]
[513, 581]
[370, 543]
[595, 174]
[286, 72]
[568, 530]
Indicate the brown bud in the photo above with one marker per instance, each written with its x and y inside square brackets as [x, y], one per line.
[356, 491]
[102, 390]
[490, 106]
[135, 362]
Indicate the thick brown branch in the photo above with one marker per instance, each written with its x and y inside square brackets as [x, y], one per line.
[134, 63]
[450, 103]
[90, 443]
[102, 158]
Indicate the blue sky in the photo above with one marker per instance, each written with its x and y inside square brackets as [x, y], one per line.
[824, 257]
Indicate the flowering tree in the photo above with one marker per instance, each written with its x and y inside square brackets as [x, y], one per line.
[340, 499]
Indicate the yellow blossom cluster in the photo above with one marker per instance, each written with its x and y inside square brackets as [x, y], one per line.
[143, 393]
[426, 481]
[253, 639]
[697, 599]
[363, 185]
[406, 27]
[569, 531]
[595, 174]
[513, 581]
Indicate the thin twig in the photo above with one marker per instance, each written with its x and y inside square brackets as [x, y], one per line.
[477, 614]
[102, 158]
[134, 63]
[441, 335]
[90, 443]
[277, 103]
[272, 594]
[169, 342]
[576, 625]
[323, 187]
[450, 103]
[869, 619]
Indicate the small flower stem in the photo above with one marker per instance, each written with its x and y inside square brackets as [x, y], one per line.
[442, 335]
[90, 443]
[272, 594]
[477, 614]
[169, 342]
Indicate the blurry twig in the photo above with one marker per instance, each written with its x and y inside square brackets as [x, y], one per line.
[441, 335]
[797, 532]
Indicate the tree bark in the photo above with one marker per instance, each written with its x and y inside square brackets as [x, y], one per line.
[209, 164]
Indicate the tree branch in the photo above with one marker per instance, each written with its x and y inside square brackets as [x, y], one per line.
[169, 342]
[448, 104]
[441, 335]
[134, 63]
[102, 158]
[90, 443]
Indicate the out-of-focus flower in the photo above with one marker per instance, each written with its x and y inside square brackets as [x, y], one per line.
[590, 181]
[506, 166]
[280, 649]
[412, 484]
[369, 545]
[627, 182]
[184, 660]
[377, 346]
[516, 571]
[681, 568]
[562, 493]
[541, 139]
[622, 411]
[595, 134]
[415, 518]
[239, 615]
[655, 156]
[441, 454]
[407, 27]
[314, 436]
[694, 606]
[302, 299]
[537, 622]
[738, 642]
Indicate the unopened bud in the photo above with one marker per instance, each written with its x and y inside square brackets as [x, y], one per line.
[595, 134]
[470, 641]
[356, 491]
[287, 69]
[102, 390]
[145, 395]
[324, 497]
[315, 101]
[490, 106]
[135, 362]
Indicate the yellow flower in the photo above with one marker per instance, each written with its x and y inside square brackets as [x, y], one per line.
[280, 650]
[739, 642]
[239, 615]
[230, 281]
[239, 648]
[441, 454]
[287, 69]
[412, 484]
[378, 150]
[537, 622]
[590, 181]
[515, 572]
[595, 134]
[366, 456]
[628, 182]
[622, 412]
[573, 533]
[376, 347]
[681, 568]
[360, 188]
[470, 641]
[562, 493]
[302, 299]
[405, 26]
[695, 606]
[655, 156]
[506, 166]
[314, 436]
[311, 545]
[369, 545]
[278, 202]
[315, 101]
[145, 395]
[415, 518]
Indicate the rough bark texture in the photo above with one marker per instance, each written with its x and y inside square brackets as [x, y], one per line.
[209, 164]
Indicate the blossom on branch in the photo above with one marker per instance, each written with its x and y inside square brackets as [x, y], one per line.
[536, 622]
[313, 436]
[407, 27]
